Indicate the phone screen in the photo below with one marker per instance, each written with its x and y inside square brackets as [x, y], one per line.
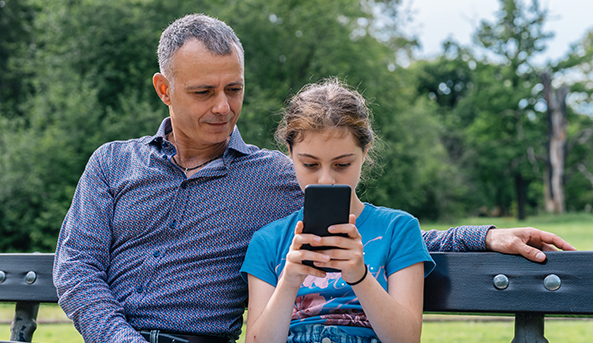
[325, 205]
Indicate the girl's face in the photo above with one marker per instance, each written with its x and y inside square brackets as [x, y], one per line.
[328, 157]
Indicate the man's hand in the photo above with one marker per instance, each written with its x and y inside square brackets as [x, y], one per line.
[528, 242]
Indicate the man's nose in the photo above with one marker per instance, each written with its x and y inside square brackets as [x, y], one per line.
[221, 105]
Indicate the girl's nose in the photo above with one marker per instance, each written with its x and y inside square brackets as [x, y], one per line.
[326, 178]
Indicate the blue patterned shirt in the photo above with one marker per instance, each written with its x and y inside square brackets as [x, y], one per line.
[143, 247]
[460, 238]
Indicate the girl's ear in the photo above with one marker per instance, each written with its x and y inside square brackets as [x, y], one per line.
[364, 152]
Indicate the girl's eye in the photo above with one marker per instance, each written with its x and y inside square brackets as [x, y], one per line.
[309, 165]
[343, 165]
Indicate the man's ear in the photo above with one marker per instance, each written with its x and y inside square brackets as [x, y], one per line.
[161, 86]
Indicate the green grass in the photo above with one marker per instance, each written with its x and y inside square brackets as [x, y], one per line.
[556, 331]
[467, 331]
[577, 229]
[63, 332]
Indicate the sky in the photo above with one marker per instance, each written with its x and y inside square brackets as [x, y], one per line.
[433, 21]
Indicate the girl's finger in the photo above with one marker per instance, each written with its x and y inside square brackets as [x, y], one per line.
[340, 242]
[298, 228]
[301, 239]
[343, 254]
[348, 229]
[352, 219]
[298, 256]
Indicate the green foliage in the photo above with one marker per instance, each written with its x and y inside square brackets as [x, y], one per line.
[42, 159]
[508, 126]
[416, 174]
[455, 132]
[16, 20]
[89, 87]
[289, 44]
[579, 173]
[93, 63]
[493, 113]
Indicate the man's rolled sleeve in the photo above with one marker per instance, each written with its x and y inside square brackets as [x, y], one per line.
[461, 238]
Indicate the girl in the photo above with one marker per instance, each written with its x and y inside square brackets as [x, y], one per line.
[377, 296]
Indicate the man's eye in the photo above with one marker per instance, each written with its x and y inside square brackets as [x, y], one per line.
[309, 165]
[201, 92]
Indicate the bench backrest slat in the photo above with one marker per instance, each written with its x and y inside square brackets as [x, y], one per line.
[463, 282]
[16, 288]
[460, 283]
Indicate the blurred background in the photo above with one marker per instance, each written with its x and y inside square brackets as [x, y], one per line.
[483, 122]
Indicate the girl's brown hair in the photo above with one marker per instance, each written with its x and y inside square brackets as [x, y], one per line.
[328, 104]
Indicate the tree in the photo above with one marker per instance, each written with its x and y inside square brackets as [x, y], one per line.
[509, 116]
[577, 177]
[556, 145]
[447, 82]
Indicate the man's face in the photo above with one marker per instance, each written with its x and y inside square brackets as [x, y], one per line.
[205, 95]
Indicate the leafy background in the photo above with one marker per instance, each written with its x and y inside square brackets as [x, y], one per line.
[462, 134]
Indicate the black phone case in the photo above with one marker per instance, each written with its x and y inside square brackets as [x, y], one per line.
[325, 205]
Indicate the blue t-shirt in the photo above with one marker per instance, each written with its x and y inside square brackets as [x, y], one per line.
[391, 239]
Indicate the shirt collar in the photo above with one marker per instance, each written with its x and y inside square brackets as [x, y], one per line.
[235, 143]
[162, 132]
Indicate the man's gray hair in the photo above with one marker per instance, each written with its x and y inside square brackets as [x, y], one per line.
[217, 36]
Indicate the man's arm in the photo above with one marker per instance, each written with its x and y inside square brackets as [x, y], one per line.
[82, 260]
[528, 242]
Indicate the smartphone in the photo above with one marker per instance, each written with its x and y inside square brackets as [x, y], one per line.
[325, 205]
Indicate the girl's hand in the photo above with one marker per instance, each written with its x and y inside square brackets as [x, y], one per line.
[348, 255]
[295, 271]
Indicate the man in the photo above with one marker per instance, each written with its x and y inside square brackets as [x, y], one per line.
[151, 247]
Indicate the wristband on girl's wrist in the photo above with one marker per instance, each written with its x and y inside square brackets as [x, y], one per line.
[366, 271]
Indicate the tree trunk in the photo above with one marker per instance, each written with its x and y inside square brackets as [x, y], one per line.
[521, 190]
[556, 145]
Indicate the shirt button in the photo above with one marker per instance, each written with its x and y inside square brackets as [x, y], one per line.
[326, 340]
[172, 224]
[183, 185]
[156, 253]
[139, 289]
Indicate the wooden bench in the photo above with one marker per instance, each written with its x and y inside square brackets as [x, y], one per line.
[27, 280]
[485, 283]
[482, 283]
